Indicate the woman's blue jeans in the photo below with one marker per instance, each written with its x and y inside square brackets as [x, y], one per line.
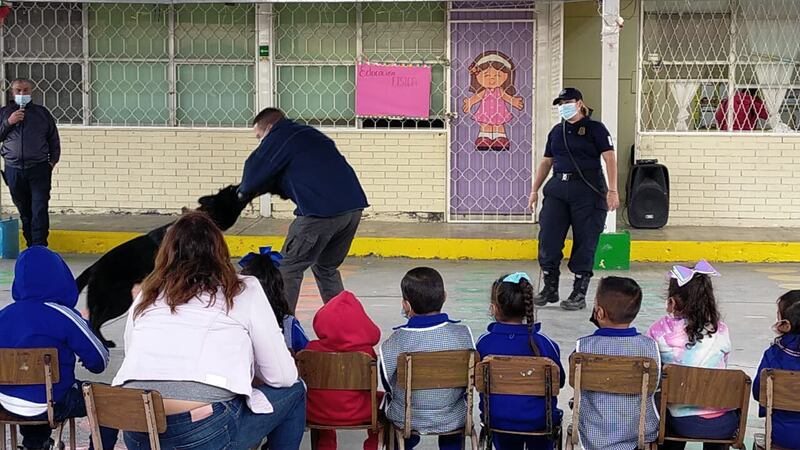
[232, 426]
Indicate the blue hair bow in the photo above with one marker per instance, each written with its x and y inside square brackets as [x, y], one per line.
[516, 277]
[276, 257]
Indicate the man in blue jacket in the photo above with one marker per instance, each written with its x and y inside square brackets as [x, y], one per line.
[31, 148]
[300, 163]
[43, 315]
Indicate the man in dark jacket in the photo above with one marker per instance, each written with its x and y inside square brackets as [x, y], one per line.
[300, 163]
[31, 148]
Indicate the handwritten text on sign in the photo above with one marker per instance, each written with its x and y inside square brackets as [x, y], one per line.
[393, 91]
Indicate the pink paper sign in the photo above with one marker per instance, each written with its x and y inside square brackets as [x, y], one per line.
[393, 91]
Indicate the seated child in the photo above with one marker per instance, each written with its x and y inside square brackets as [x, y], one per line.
[43, 315]
[511, 304]
[611, 421]
[342, 325]
[427, 330]
[264, 266]
[692, 334]
[784, 354]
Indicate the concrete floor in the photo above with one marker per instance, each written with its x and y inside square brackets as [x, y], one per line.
[746, 293]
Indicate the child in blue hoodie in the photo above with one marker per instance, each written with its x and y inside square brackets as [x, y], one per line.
[511, 304]
[43, 315]
[784, 354]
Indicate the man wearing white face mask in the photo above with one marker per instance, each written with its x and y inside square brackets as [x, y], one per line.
[31, 148]
[577, 196]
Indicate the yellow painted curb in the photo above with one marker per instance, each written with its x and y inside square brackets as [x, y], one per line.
[96, 242]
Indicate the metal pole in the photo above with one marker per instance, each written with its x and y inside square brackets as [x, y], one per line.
[264, 77]
[609, 82]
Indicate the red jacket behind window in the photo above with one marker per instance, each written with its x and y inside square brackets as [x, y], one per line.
[342, 325]
[746, 112]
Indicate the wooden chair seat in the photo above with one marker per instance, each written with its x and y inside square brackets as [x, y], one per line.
[518, 375]
[124, 409]
[398, 434]
[710, 441]
[778, 391]
[705, 388]
[316, 426]
[648, 446]
[13, 419]
[435, 370]
[615, 375]
[522, 433]
[26, 367]
[351, 371]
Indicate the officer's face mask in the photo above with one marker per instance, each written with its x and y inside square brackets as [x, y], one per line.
[22, 99]
[567, 110]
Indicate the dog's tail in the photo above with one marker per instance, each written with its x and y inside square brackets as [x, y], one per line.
[83, 278]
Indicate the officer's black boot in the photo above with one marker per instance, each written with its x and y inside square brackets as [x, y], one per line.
[577, 299]
[549, 292]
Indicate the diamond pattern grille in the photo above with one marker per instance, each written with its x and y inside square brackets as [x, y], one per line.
[136, 64]
[720, 65]
[317, 45]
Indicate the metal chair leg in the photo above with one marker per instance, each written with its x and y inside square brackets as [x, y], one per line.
[13, 428]
[73, 438]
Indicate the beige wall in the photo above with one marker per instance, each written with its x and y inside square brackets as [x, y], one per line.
[730, 180]
[582, 64]
[404, 174]
[106, 170]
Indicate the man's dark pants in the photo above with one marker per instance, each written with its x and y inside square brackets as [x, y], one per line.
[321, 243]
[30, 190]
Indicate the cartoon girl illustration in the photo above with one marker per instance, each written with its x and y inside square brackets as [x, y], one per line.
[492, 81]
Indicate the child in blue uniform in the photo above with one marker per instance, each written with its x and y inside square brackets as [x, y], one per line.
[784, 354]
[611, 421]
[516, 333]
[264, 266]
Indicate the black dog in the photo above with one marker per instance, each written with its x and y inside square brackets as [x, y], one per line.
[112, 277]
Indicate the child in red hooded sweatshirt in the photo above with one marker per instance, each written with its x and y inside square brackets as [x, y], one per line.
[342, 325]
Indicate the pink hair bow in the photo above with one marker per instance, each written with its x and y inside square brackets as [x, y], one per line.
[684, 275]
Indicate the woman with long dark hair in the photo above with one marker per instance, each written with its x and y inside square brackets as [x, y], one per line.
[577, 196]
[199, 333]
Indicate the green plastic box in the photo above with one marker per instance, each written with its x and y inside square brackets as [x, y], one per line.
[613, 251]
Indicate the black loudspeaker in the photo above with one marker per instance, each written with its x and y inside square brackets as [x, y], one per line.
[648, 195]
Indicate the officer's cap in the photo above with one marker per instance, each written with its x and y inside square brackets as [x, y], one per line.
[568, 94]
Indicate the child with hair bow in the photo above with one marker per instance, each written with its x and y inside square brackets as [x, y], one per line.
[264, 266]
[516, 332]
[693, 334]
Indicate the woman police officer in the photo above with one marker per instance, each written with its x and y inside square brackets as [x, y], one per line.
[577, 195]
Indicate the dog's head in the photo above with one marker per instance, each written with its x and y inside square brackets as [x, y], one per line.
[224, 207]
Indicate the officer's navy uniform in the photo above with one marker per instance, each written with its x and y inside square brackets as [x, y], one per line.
[570, 202]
